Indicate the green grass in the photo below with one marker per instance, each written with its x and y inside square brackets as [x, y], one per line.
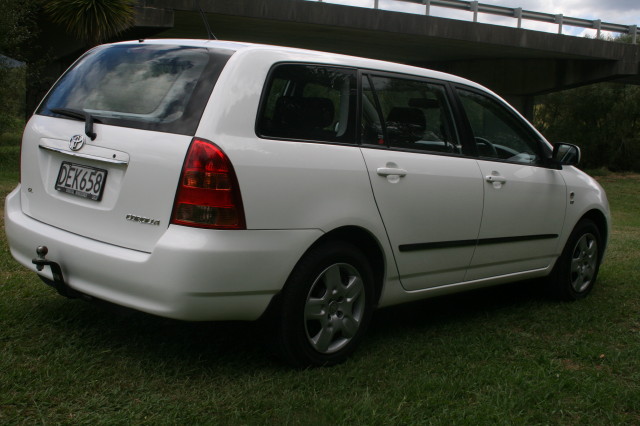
[505, 355]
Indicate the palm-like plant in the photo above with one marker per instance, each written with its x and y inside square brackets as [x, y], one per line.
[92, 21]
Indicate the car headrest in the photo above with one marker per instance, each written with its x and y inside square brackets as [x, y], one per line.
[298, 112]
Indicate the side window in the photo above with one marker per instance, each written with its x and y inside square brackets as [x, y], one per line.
[415, 114]
[310, 102]
[498, 133]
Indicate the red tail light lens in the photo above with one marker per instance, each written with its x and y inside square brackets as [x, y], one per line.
[208, 194]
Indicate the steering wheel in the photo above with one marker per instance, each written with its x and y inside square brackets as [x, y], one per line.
[490, 149]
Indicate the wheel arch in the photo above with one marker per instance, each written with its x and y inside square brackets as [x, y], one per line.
[285, 318]
[362, 240]
[370, 247]
[600, 220]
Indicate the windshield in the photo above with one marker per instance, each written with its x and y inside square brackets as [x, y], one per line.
[151, 87]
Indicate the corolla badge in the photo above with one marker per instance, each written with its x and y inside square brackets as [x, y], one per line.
[140, 219]
[76, 142]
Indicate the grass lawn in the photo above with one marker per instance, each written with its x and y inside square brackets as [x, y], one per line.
[504, 355]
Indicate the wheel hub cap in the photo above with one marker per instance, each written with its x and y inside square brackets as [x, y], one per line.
[584, 262]
[334, 308]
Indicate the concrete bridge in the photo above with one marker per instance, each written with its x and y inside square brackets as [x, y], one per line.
[517, 63]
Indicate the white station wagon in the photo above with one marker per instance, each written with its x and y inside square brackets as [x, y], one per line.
[211, 180]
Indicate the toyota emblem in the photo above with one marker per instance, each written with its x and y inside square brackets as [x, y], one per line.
[76, 142]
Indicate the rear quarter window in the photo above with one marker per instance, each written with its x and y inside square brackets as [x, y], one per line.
[151, 87]
[309, 102]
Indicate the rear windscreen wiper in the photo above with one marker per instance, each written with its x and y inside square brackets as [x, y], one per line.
[79, 115]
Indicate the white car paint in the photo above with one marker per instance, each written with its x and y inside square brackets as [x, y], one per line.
[445, 205]
[143, 184]
[531, 201]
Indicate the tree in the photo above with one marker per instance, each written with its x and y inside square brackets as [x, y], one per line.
[16, 25]
[92, 21]
[603, 119]
[17, 29]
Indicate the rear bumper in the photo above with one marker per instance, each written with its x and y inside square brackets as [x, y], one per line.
[191, 274]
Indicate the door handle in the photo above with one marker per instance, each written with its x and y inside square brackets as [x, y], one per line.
[496, 179]
[391, 171]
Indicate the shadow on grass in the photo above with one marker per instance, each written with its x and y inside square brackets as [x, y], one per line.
[240, 346]
[99, 327]
[464, 307]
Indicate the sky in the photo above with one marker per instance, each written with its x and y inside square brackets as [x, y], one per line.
[626, 12]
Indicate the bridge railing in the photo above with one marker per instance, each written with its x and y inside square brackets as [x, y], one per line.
[520, 14]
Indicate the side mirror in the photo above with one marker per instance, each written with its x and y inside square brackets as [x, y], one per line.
[566, 154]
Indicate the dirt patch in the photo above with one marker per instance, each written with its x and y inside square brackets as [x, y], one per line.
[612, 177]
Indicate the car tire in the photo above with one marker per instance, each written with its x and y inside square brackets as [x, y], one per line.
[325, 306]
[576, 270]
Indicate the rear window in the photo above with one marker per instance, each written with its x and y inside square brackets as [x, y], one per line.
[151, 87]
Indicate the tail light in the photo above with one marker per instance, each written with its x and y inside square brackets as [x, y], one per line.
[208, 194]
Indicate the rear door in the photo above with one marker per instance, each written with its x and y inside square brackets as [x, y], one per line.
[103, 154]
[428, 191]
[136, 172]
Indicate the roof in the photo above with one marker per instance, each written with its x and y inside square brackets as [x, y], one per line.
[312, 56]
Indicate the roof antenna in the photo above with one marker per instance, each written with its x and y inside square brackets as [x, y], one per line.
[206, 23]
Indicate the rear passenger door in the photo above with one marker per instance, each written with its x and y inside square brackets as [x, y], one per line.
[429, 192]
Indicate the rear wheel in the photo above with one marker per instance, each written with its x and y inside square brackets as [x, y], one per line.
[325, 306]
[576, 270]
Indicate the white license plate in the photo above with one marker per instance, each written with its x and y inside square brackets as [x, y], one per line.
[82, 181]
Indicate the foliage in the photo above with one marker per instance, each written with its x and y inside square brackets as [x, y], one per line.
[17, 23]
[603, 119]
[12, 98]
[17, 28]
[92, 21]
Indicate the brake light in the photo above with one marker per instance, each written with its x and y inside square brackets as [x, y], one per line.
[208, 194]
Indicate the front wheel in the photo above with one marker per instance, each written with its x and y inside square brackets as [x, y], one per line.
[325, 306]
[576, 270]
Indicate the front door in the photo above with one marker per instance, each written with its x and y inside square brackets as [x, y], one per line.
[524, 202]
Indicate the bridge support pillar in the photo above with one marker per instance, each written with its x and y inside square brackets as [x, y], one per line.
[524, 105]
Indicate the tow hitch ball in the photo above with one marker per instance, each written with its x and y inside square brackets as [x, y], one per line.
[58, 280]
[41, 251]
[41, 262]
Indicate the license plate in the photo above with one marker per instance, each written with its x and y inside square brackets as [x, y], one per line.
[82, 181]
